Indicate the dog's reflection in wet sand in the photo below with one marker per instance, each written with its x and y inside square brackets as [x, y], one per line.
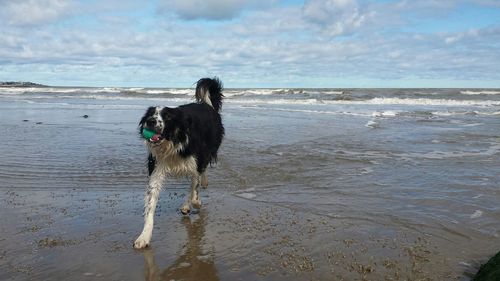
[193, 264]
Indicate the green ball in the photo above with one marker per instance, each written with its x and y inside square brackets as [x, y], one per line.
[148, 134]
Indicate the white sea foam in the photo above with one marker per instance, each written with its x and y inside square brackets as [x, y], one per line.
[11, 91]
[249, 96]
[388, 113]
[168, 91]
[274, 101]
[103, 97]
[64, 105]
[469, 92]
[473, 125]
[474, 112]
[289, 92]
[450, 113]
[371, 124]
[476, 214]
[423, 101]
[253, 92]
[57, 90]
[104, 90]
[380, 114]
[492, 150]
[19, 91]
[332, 92]
[156, 92]
[329, 112]
[374, 101]
[246, 195]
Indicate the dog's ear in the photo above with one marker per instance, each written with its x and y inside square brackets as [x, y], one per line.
[181, 127]
[166, 115]
[149, 113]
[170, 116]
[175, 125]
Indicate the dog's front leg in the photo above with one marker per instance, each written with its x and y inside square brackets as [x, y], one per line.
[156, 182]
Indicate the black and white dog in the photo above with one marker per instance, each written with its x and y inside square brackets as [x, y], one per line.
[187, 140]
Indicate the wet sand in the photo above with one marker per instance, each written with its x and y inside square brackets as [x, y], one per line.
[87, 234]
[298, 194]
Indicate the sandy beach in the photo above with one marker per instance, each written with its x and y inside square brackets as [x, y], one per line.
[86, 234]
[301, 192]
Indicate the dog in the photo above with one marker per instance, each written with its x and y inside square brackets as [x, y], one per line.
[186, 140]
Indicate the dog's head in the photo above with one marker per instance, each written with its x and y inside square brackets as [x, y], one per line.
[169, 123]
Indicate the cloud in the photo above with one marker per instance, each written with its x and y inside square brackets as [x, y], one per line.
[264, 44]
[211, 9]
[456, 37]
[33, 12]
[271, 23]
[335, 17]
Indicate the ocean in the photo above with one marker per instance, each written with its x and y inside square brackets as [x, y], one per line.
[408, 177]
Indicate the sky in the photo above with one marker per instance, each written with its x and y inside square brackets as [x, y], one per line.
[256, 44]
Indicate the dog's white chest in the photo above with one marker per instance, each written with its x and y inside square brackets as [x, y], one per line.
[168, 159]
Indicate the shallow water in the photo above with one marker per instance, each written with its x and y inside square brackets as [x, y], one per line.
[335, 180]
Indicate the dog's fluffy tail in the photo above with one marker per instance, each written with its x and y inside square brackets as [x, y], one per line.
[209, 91]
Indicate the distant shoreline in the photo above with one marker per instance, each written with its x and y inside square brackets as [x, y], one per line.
[21, 84]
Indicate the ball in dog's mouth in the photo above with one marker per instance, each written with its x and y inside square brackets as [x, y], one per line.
[151, 136]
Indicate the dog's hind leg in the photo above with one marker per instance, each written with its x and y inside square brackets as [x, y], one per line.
[204, 180]
[193, 197]
[156, 182]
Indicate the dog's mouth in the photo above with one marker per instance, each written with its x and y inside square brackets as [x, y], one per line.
[156, 138]
[151, 135]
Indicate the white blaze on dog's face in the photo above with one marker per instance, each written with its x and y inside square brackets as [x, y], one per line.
[153, 120]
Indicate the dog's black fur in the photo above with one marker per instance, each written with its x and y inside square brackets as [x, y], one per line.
[198, 126]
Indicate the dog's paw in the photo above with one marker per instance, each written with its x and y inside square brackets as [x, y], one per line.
[185, 210]
[141, 242]
[196, 203]
[204, 181]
